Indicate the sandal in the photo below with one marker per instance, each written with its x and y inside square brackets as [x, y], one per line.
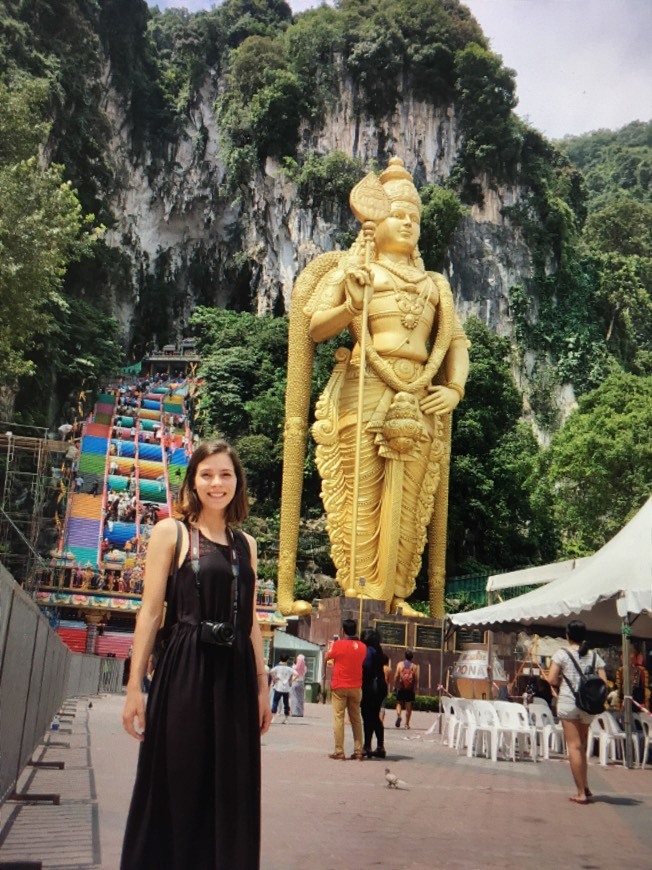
[578, 800]
[338, 756]
[357, 756]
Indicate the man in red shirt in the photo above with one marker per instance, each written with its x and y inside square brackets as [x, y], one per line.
[347, 656]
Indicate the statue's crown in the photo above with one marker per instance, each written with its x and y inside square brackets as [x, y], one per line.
[398, 184]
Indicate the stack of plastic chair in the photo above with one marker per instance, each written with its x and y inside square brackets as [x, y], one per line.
[643, 734]
[550, 734]
[485, 732]
[517, 726]
[454, 720]
[611, 739]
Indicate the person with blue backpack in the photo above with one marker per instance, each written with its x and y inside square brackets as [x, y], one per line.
[583, 688]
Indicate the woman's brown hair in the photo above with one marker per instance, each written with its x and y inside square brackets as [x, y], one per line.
[189, 506]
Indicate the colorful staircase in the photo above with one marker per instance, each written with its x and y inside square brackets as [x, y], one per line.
[134, 445]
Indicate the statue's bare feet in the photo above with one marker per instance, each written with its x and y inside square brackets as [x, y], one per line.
[401, 608]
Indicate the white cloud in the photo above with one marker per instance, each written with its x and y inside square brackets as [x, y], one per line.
[581, 64]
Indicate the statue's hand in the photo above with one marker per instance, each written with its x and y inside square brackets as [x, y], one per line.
[357, 283]
[442, 400]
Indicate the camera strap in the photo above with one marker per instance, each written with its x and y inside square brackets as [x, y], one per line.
[235, 570]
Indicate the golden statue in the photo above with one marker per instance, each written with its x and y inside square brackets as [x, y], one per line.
[382, 424]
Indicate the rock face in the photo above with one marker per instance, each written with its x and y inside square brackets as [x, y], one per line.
[248, 248]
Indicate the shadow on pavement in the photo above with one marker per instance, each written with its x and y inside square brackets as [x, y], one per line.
[615, 800]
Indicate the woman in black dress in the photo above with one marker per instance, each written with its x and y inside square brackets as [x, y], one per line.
[374, 691]
[196, 800]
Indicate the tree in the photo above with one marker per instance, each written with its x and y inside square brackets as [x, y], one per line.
[243, 399]
[599, 466]
[41, 229]
[493, 523]
[442, 212]
[623, 227]
[486, 96]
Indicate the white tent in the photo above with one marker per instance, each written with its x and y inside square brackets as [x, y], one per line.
[616, 582]
[533, 576]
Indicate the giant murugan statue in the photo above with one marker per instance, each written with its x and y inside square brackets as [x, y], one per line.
[383, 421]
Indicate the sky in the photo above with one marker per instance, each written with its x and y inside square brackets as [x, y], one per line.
[581, 65]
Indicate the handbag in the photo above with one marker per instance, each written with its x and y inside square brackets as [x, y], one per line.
[169, 617]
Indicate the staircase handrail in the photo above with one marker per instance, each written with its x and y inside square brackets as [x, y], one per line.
[104, 508]
[138, 408]
[71, 493]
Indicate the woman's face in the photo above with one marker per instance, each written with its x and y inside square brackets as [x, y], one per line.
[215, 482]
[399, 233]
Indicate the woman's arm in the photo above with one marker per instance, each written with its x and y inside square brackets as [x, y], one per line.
[158, 565]
[554, 674]
[264, 711]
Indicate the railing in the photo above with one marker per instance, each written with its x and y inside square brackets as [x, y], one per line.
[37, 673]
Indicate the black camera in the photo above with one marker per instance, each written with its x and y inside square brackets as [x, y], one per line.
[217, 633]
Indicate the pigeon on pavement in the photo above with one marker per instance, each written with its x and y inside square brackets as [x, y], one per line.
[393, 781]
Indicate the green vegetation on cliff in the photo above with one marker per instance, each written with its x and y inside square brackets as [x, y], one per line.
[584, 207]
[42, 230]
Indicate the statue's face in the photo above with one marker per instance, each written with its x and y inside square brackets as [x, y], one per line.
[399, 233]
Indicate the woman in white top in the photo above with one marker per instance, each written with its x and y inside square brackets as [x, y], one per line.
[575, 722]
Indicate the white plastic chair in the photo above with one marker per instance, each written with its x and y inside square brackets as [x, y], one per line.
[484, 731]
[550, 734]
[455, 720]
[612, 740]
[516, 724]
[594, 736]
[643, 734]
[467, 724]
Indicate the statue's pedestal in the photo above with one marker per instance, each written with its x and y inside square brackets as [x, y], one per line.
[422, 634]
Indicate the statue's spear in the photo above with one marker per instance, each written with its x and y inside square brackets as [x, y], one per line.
[370, 205]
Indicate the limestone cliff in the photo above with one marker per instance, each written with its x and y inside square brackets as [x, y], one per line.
[254, 243]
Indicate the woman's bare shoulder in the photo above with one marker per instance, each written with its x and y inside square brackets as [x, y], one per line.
[253, 547]
[165, 531]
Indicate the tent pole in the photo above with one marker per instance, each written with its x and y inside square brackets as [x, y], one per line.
[441, 668]
[490, 655]
[627, 691]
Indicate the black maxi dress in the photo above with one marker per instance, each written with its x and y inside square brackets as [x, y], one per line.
[196, 799]
[374, 692]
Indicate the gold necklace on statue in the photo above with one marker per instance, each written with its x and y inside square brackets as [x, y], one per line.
[408, 274]
[409, 300]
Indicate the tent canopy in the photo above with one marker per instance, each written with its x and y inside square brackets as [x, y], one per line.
[533, 576]
[613, 583]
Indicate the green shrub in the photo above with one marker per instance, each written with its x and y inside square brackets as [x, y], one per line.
[424, 703]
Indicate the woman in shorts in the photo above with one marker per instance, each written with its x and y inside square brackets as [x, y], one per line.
[575, 722]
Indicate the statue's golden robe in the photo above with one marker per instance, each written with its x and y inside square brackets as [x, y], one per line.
[402, 453]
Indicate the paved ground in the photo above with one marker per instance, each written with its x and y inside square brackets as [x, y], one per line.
[329, 815]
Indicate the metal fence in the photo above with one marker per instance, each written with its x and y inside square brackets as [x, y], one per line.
[37, 673]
